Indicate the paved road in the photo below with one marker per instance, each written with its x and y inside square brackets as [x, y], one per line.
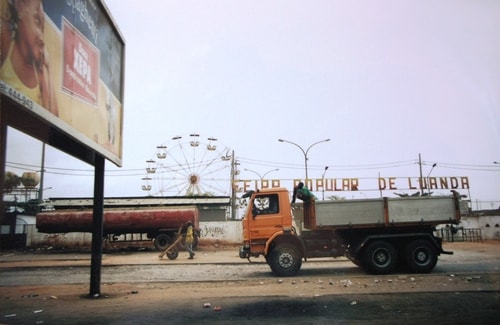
[228, 270]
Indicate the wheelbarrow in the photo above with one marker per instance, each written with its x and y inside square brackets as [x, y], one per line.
[172, 250]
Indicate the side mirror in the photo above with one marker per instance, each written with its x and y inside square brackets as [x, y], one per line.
[247, 194]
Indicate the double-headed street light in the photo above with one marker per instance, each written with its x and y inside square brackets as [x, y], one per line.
[305, 152]
[264, 175]
[260, 176]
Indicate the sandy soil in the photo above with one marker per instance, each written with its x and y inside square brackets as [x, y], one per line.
[306, 299]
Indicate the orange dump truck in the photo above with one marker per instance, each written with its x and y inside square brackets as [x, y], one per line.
[375, 234]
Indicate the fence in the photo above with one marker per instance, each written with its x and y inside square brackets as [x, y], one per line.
[460, 234]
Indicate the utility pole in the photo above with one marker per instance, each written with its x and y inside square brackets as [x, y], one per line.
[233, 190]
[421, 178]
[42, 171]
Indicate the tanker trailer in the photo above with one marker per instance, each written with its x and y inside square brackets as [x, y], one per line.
[160, 224]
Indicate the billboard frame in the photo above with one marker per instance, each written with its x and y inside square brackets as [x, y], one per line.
[21, 112]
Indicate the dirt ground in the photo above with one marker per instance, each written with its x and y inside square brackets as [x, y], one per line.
[313, 298]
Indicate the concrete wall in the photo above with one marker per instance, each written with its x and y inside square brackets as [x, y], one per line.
[224, 231]
[489, 225]
[228, 232]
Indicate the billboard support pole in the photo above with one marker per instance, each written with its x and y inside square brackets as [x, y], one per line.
[3, 148]
[97, 228]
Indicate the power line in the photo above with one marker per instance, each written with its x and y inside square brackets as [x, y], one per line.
[283, 165]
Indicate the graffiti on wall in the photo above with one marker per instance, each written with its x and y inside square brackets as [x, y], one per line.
[214, 231]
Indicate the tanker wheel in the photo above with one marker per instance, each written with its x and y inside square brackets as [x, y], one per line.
[380, 257]
[421, 256]
[195, 241]
[182, 244]
[162, 241]
[173, 253]
[284, 260]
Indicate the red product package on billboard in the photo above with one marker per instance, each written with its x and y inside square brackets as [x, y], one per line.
[81, 65]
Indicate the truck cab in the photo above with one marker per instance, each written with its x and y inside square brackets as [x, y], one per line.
[269, 230]
[268, 215]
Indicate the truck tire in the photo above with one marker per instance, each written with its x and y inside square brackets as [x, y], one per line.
[284, 260]
[421, 256]
[162, 241]
[379, 257]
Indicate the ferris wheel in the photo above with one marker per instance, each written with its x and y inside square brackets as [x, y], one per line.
[189, 166]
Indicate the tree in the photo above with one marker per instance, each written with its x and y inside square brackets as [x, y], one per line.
[11, 182]
[336, 197]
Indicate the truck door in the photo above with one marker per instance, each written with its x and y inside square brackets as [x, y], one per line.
[265, 218]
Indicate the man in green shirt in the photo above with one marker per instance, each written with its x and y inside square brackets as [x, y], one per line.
[302, 192]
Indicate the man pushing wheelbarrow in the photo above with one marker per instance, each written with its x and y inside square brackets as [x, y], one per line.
[172, 250]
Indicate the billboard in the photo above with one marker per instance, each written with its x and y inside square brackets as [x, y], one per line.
[63, 61]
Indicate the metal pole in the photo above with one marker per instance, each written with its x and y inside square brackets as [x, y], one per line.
[42, 171]
[421, 178]
[269, 171]
[233, 190]
[305, 152]
[323, 180]
[253, 171]
[3, 148]
[261, 177]
[428, 180]
[97, 228]
[305, 164]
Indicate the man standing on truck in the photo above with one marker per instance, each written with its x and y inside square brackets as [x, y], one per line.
[189, 239]
[302, 192]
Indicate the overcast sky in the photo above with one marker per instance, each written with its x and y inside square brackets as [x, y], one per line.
[384, 80]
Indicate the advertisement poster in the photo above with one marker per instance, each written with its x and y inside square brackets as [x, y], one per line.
[63, 60]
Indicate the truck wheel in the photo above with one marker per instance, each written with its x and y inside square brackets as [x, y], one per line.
[284, 260]
[421, 256]
[380, 257]
[162, 241]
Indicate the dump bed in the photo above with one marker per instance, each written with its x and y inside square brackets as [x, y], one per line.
[386, 211]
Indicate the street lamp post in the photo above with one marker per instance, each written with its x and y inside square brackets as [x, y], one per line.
[323, 180]
[428, 181]
[261, 177]
[305, 152]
